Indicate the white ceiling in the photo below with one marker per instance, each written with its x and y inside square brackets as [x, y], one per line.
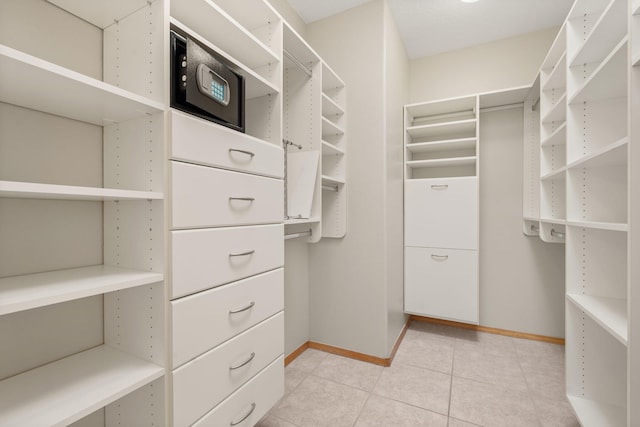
[434, 26]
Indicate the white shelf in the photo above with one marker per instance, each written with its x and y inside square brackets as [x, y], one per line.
[252, 14]
[213, 23]
[330, 107]
[330, 79]
[295, 221]
[608, 81]
[635, 8]
[328, 149]
[553, 221]
[610, 313]
[558, 76]
[606, 33]
[442, 129]
[557, 137]
[445, 145]
[557, 50]
[36, 290]
[65, 391]
[255, 85]
[454, 161]
[597, 414]
[298, 48]
[329, 128]
[29, 190]
[558, 174]
[330, 180]
[531, 218]
[558, 111]
[47, 87]
[610, 155]
[100, 13]
[610, 226]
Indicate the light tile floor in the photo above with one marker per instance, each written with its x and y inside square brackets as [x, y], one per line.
[441, 376]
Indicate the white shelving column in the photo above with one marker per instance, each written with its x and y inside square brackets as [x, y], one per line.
[597, 193]
[101, 352]
[531, 162]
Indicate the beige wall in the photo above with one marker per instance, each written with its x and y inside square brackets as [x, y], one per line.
[488, 67]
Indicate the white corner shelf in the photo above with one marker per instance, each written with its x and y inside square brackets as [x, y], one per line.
[437, 130]
[606, 33]
[37, 290]
[557, 137]
[29, 190]
[610, 226]
[609, 79]
[213, 23]
[65, 391]
[557, 174]
[330, 80]
[453, 161]
[329, 128]
[328, 149]
[593, 413]
[610, 313]
[295, 221]
[557, 113]
[44, 86]
[256, 86]
[100, 13]
[443, 145]
[330, 107]
[330, 180]
[610, 155]
[558, 76]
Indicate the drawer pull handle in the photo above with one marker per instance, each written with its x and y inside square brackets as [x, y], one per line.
[246, 362]
[248, 153]
[235, 423]
[243, 253]
[245, 308]
[436, 257]
[439, 187]
[244, 199]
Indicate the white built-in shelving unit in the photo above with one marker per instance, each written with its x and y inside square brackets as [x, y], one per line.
[81, 293]
[597, 213]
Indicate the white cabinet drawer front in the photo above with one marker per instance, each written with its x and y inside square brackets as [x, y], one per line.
[251, 402]
[209, 197]
[202, 321]
[442, 213]
[203, 259]
[204, 142]
[442, 283]
[204, 382]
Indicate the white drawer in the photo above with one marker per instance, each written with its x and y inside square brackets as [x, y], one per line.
[202, 321]
[207, 143]
[203, 259]
[251, 402]
[442, 213]
[204, 382]
[209, 197]
[441, 283]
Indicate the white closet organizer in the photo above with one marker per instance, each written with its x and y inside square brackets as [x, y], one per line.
[531, 162]
[226, 241]
[313, 124]
[597, 193]
[82, 277]
[441, 209]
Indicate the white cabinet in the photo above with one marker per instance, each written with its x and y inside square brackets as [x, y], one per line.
[441, 209]
[442, 213]
[442, 283]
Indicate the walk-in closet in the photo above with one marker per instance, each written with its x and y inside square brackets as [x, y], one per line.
[297, 213]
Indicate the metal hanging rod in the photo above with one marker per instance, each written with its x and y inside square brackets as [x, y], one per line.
[502, 107]
[297, 63]
[296, 235]
[557, 234]
[534, 107]
[535, 228]
[330, 188]
[287, 142]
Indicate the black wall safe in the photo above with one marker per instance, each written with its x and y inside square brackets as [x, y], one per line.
[205, 84]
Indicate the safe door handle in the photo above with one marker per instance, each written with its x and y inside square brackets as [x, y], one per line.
[235, 423]
[437, 257]
[241, 309]
[439, 187]
[248, 153]
[251, 252]
[243, 363]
